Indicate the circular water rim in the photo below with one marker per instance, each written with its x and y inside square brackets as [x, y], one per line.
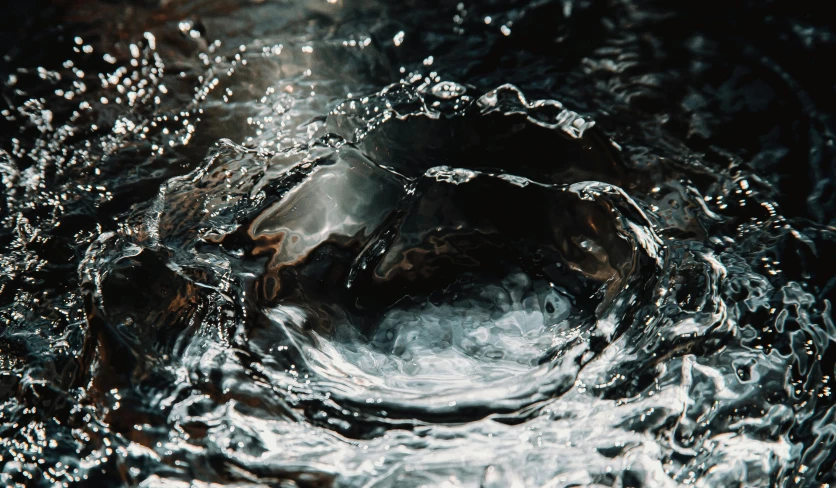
[334, 374]
[447, 378]
[528, 380]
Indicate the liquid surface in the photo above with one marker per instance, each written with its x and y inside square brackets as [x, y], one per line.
[361, 243]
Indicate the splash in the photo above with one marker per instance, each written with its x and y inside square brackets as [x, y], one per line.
[366, 245]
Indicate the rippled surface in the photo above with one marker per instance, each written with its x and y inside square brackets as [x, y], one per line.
[356, 243]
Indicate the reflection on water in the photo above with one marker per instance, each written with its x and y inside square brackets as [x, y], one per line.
[350, 243]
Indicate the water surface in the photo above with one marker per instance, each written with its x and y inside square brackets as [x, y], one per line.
[359, 243]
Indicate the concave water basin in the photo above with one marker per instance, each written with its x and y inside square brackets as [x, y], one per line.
[439, 289]
[483, 293]
[436, 255]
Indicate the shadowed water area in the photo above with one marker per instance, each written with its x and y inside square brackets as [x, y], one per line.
[356, 243]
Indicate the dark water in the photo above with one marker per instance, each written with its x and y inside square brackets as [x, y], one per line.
[355, 243]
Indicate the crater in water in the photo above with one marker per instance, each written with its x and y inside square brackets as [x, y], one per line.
[423, 290]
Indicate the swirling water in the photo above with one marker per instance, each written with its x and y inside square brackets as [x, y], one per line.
[361, 243]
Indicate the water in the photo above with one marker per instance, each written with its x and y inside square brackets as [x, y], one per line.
[357, 243]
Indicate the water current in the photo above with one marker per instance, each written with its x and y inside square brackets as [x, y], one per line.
[417, 243]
